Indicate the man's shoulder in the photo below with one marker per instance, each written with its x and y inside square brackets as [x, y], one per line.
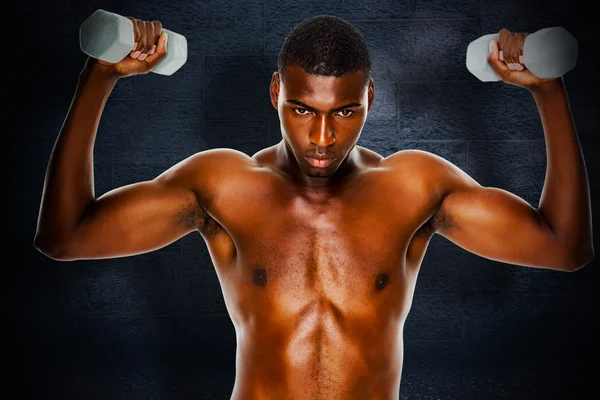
[205, 171]
[433, 170]
[221, 159]
[223, 152]
[418, 161]
[429, 169]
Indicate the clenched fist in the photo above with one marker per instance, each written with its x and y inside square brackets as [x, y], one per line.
[149, 49]
[506, 58]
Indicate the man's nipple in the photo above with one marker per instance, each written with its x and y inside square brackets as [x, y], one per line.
[259, 276]
[381, 281]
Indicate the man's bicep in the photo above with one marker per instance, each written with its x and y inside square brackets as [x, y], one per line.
[148, 215]
[494, 223]
[134, 219]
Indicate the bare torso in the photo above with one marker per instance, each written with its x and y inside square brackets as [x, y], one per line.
[318, 287]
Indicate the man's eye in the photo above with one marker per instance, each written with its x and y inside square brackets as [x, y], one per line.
[349, 112]
[296, 109]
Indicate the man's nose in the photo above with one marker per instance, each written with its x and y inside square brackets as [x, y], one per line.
[321, 135]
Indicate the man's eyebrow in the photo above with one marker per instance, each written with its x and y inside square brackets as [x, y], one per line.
[298, 102]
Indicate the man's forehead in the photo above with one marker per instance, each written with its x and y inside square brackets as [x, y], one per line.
[299, 82]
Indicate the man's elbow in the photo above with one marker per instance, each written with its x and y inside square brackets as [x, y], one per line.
[580, 260]
[54, 252]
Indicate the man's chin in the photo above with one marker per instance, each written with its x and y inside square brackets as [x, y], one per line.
[321, 174]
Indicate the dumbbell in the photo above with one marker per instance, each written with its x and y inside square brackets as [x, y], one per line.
[109, 37]
[548, 53]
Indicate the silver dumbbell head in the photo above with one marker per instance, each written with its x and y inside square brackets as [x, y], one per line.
[106, 36]
[477, 58]
[176, 54]
[550, 52]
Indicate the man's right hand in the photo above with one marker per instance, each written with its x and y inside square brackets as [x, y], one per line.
[149, 49]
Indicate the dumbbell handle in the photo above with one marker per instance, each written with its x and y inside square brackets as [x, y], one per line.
[547, 53]
[110, 37]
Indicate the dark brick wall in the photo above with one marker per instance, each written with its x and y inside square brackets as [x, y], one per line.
[155, 326]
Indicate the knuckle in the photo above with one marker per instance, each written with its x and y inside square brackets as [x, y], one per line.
[149, 42]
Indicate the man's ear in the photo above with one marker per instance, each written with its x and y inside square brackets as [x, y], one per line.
[371, 94]
[274, 89]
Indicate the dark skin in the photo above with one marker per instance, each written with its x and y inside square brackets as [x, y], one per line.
[317, 265]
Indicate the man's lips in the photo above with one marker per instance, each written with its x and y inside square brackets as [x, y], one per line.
[319, 162]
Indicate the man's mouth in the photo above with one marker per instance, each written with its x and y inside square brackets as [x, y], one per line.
[319, 163]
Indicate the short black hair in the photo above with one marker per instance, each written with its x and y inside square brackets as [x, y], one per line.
[325, 45]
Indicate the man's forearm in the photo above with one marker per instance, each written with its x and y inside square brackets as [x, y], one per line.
[565, 199]
[69, 183]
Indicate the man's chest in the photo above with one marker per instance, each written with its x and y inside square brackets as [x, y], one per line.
[354, 236]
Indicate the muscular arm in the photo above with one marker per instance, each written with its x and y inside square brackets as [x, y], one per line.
[141, 217]
[501, 226]
[132, 219]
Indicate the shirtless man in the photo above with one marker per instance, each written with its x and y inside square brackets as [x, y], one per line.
[317, 260]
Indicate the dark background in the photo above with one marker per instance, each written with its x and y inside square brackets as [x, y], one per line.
[155, 326]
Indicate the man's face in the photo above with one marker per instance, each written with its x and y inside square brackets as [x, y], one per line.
[321, 115]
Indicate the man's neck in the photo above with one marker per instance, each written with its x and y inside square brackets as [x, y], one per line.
[286, 161]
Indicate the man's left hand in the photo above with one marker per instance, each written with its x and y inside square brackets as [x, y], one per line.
[506, 59]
